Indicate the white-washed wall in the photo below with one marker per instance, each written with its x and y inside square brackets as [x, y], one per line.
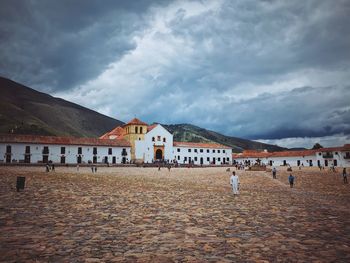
[71, 153]
[203, 156]
[336, 158]
[145, 149]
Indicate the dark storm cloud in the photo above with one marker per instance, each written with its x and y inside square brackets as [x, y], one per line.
[55, 45]
[232, 66]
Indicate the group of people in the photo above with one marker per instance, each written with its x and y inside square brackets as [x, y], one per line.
[234, 180]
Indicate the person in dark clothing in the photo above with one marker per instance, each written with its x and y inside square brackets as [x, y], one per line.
[291, 180]
[345, 177]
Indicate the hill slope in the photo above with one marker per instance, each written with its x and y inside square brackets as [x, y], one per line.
[27, 111]
[191, 133]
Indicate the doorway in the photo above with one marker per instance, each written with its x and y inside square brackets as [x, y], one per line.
[94, 159]
[201, 160]
[335, 162]
[298, 163]
[63, 159]
[159, 154]
[114, 160]
[79, 159]
[326, 163]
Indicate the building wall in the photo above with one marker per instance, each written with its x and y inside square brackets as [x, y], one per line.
[71, 153]
[336, 158]
[185, 155]
[145, 149]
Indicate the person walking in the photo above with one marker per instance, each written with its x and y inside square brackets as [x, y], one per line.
[345, 177]
[291, 180]
[234, 181]
[274, 171]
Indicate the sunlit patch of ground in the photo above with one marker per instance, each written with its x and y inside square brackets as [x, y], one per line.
[142, 215]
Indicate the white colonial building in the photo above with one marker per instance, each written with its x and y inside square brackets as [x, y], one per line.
[152, 143]
[202, 153]
[64, 150]
[336, 156]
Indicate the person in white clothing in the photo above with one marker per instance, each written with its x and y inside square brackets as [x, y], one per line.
[234, 181]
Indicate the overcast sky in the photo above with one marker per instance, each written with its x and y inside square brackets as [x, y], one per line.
[277, 71]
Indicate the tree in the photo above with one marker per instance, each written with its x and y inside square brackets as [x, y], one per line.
[317, 146]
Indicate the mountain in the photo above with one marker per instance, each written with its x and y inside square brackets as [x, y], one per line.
[191, 133]
[27, 111]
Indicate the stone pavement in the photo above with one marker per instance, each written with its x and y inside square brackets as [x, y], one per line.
[185, 215]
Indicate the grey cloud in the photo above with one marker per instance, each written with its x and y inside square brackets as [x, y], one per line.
[241, 48]
[56, 45]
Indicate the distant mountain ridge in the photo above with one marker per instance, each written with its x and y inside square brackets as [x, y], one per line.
[26, 111]
[192, 133]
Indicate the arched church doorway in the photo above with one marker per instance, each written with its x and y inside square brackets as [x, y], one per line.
[159, 154]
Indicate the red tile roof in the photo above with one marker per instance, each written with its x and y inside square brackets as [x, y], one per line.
[151, 127]
[136, 121]
[118, 132]
[12, 138]
[201, 145]
[346, 147]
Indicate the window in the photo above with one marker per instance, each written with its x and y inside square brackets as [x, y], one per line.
[109, 151]
[223, 151]
[136, 129]
[219, 159]
[153, 139]
[178, 150]
[319, 154]
[213, 151]
[27, 149]
[195, 159]
[201, 150]
[158, 138]
[207, 150]
[195, 150]
[94, 151]
[63, 150]
[164, 140]
[140, 129]
[46, 150]
[185, 159]
[228, 159]
[189, 150]
[219, 152]
[208, 159]
[178, 157]
[80, 151]
[336, 153]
